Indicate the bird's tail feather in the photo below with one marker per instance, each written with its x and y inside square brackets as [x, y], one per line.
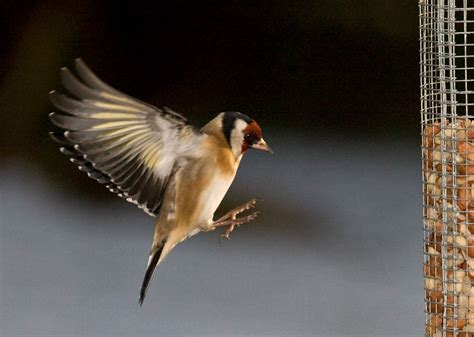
[153, 262]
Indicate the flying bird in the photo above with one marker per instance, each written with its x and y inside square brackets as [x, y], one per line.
[154, 157]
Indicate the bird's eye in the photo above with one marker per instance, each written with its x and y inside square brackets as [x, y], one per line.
[247, 136]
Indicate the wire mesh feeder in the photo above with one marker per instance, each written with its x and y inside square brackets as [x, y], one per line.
[447, 122]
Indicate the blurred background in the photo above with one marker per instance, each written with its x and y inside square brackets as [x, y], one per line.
[337, 250]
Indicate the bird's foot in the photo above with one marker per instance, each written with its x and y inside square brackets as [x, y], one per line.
[230, 218]
[236, 211]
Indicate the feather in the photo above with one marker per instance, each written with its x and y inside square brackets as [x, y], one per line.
[150, 270]
[127, 144]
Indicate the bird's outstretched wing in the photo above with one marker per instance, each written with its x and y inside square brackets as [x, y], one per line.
[130, 146]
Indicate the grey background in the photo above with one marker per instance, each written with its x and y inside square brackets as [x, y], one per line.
[337, 252]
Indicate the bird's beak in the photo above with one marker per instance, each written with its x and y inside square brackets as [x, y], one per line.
[262, 146]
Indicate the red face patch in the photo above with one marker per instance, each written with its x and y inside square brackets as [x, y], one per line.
[252, 135]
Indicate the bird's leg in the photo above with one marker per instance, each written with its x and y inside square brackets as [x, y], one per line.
[230, 218]
[248, 205]
[236, 222]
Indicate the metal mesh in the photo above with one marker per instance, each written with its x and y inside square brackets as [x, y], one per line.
[447, 126]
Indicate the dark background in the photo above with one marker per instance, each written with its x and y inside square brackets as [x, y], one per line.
[312, 66]
[335, 87]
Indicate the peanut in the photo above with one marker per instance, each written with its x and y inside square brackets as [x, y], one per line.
[470, 248]
[466, 150]
[470, 318]
[449, 224]
[429, 132]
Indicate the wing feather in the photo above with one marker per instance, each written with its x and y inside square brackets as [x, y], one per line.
[129, 145]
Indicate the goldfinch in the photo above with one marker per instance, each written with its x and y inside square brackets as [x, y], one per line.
[154, 157]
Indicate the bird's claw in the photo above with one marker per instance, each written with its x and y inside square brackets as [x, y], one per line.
[230, 219]
[226, 234]
[236, 211]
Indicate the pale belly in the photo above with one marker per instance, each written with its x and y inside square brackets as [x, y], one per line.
[217, 179]
[209, 200]
[212, 196]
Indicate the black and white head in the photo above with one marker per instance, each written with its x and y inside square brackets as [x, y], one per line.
[242, 133]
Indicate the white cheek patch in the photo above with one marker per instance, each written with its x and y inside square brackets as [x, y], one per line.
[237, 136]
